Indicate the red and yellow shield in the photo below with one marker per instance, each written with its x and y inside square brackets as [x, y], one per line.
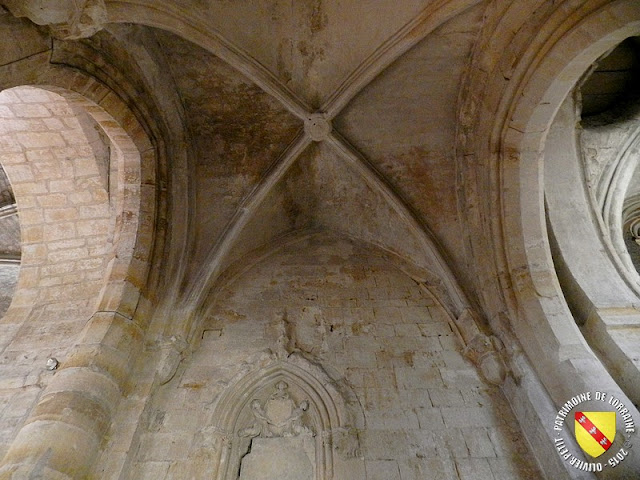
[595, 431]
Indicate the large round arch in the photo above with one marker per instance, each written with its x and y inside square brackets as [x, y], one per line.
[108, 335]
[520, 145]
[521, 79]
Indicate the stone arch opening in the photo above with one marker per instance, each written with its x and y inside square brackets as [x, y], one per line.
[519, 141]
[70, 194]
[88, 224]
[606, 315]
[67, 169]
[589, 173]
[551, 61]
[608, 120]
[139, 161]
[326, 423]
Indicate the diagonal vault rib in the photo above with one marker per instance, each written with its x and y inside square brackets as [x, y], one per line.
[200, 285]
[412, 33]
[168, 17]
[438, 265]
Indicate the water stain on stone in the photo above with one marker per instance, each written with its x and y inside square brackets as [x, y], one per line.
[193, 385]
[237, 127]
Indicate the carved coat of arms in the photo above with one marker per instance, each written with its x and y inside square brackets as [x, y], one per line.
[279, 416]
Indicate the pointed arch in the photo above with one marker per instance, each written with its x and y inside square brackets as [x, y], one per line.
[334, 418]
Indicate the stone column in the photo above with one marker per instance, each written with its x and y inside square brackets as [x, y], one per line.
[62, 437]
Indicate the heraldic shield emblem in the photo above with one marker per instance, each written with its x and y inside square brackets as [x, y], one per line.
[595, 431]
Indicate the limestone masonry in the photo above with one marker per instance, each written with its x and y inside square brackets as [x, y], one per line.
[319, 239]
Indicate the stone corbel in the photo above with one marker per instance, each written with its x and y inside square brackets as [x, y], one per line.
[171, 354]
[345, 442]
[510, 349]
[481, 349]
[67, 19]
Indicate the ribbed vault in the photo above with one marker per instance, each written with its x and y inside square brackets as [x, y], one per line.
[267, 146]
[416, 129]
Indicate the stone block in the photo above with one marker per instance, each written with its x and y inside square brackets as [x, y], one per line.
[457, 377]
[463, 417]
[474, 469]
[54, 215]
[422, 444]
[59, 107]
[10, 145]
[363, 359]
[6, 112]
[417, 377]
[163, 447]
[439, 315]
[58, 269]
[382, 470]
[68, 255]
[59, 230]
[46, 171]
[416, 314]
[21, 173]
[32, 234]
[40, 139]
[66, 244]
[386, 314]
[393, 419]
[33, 110]
[65, 186]
[32, 216]
[384, 444]
[54, 124]
[383, 330]
[434, 329]
[52, 200]
[450, 342]
[80, 198]
[451, 441]
[38, 155]
[267, 459]
[478, 442]
[407, 330]
[445, 397]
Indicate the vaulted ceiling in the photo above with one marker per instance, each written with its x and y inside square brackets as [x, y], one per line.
[300, 116]
[322, 116]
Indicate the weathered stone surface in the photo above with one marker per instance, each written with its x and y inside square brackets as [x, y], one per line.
[353, 313]
[346, 240]
[279, 458]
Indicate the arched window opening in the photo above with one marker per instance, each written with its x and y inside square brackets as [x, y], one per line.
[591, 185]
[609, 101]
[613, 81]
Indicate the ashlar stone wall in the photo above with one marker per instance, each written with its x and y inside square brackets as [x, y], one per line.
[67, 231]
[387, 340]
